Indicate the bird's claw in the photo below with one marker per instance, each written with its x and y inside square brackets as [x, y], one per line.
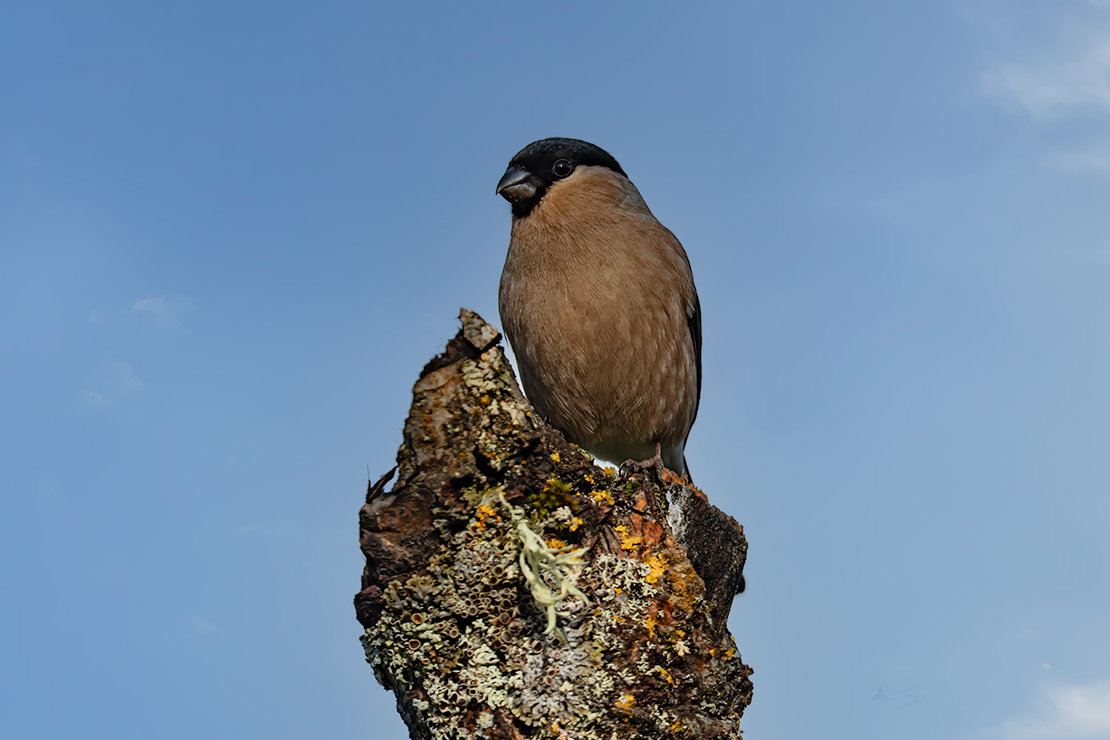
[631, 467]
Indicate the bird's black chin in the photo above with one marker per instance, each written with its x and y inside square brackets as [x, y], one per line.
[517, 185]
[519, 193]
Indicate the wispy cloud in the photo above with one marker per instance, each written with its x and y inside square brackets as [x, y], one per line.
[120, 379]
[97, 400]
[1077, 712]
[1077, 78]
[46, 491]
[167, 311]
[1050, 63]
[18, 152]
[202, 626]
[1094, 158]
[124, 378]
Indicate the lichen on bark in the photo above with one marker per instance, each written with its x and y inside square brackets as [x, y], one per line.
[514, 589]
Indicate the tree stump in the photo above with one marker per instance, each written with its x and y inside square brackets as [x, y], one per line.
[514, 589]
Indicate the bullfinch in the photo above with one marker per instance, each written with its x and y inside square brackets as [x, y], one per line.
[597, 299]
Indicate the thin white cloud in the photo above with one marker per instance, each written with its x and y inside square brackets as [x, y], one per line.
[1050, 62]
[121, 381]
[156, 306]
[124, 378]
[1075, 78]
[1051, 59]
[167, 311]
[1077, 712]
[1094, 159]
[18, 152]
[97, 400]
[202, 626]
[46, 491]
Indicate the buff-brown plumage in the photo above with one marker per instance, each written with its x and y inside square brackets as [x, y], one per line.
[598, 302]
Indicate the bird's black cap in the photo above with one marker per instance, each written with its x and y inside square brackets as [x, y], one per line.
[535, 167]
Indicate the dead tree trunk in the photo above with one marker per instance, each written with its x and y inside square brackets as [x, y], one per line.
[513, 589]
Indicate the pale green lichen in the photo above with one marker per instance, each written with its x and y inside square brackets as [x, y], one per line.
[539, 562]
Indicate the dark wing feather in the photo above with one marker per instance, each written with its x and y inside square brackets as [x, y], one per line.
[694, 323]
[695, 334]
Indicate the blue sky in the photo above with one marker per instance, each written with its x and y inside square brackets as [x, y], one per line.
[232, 233]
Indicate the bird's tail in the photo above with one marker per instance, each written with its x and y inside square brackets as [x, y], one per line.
[686, 470]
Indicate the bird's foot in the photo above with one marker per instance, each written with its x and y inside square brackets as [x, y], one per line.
[631, 467]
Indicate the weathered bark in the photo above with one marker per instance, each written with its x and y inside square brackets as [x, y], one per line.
[460, 598]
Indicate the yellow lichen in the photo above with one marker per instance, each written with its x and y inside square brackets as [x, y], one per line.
[575, 523]
[625, 703]
[602, 496]
[628, 542]
[555, 457]
[658, 565]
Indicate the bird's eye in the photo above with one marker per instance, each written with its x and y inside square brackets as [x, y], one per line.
[562, 168]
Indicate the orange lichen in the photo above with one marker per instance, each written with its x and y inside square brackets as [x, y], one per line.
[683, 581]
[486, 514]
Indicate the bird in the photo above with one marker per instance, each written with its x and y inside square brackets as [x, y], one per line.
[598, 302]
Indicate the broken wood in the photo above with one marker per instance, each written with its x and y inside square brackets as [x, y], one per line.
[514, 589]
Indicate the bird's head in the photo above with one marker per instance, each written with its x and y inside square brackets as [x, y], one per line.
[541, 164]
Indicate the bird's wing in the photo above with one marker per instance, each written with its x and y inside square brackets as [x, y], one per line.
[694, 321]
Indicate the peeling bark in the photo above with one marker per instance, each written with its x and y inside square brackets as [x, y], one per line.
[610, 624]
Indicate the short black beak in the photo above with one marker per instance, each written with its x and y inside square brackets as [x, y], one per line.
[514, 185]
